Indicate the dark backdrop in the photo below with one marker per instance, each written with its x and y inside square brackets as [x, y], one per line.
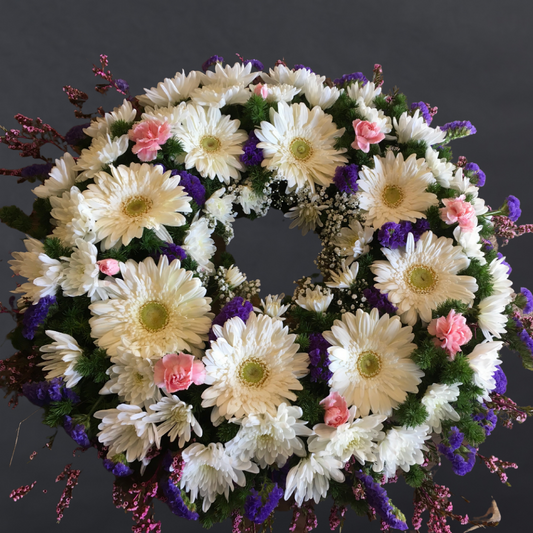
[471, 59]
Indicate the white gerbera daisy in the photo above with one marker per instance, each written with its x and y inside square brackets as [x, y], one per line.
[298, 144]
[309, 479]
[306, 214]
[273, 306]
[134, 198]
[170, 91]
[210, 471]
[219, 95]
[484, 361]
[415, 128]
[60, 358]
[213, 143]
[355, 438]
[316, 300]
[153, 310]
[371, 361]
[44, 274]
[175, 418]
[440, 168]
[270, 439]
[423, 276]
[199, 245]
[281, 74]
[321, 95]
[367, 92]
[62, 178]
[402, 448]
[101, 126]
[126, 430]
[395, 189]
[229, 76]
[252, 367]
[437, 400]
[102, 152]
[353, 240]
[345, 278]
[220, 206]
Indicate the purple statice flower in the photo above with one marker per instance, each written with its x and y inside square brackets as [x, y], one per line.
[36, 171]
[55, 389]
[460, 464]
[69, 394]
[486, 419]
[525, 300]
[419, 228]
[117, 469]
[37, 393]
[523, 335]
[122, 85]
[345, 178]
[75, 134]
[213, 60]
[376, 299]
[175, 500]
[255, 63]
[192, 185]
[377, 497]
[302, 67]
[238, 306]
[76, 432]
[455, 438]
[346, 79]
[392, 235]
[500, 256]
[424, 111]
[501, 381]
[35, 315]
[318, 358]
[459, 128]
[475, 174]
[511, 208]
[254, 509]
[252, 155]
[172, 251]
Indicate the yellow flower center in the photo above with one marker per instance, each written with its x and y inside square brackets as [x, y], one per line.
[301, 149]
[137, 206]
[392, 196]
[153, 316]
[210, 144]
[253, 372]
[369, 364]
[422, 279]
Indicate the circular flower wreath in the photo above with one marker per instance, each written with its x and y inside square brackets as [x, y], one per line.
[140, 336]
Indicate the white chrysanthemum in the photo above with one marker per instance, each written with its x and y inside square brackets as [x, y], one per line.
[273, 307]
[62, 178]
[471, 243]
[395, 190]
[440, 168]
[101, 126]
[250, 201]
[269, 439]
[174, 116]
[81, 273]
[309, 479]
[132, 378]
[298, 144]
[72, 217]
[461, 183]
[353, 240]
[213, 143]
[228, 76]
[234, 277]
[371, 361]
[345, 277]
[220, 206]
[371, 114]
[134, 198]
[170, 91]
[175, 418]
[153, 310]
[126, 430]
[209, 471]
[199, 245]
[44, 274]
[367, 92]
[102, 152]
[60, 358]
[437, 400]
[321, 95]
[280, 93]
[355, 438]
[316, 300]
[306, 214]
[415, 128]
[421, 277]
[484, 361]
[252, 367]
[402, 448]
[281, 74]
[218, 95]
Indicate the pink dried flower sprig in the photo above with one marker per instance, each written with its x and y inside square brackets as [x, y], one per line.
[17, 494]
[497, 466]
[66, 497]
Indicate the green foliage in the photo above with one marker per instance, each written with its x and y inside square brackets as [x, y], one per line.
[517, 345]
[172, 149]
[457, 371]
[36, 225]
[54, 249]
[433, 216]
[411, 413]
[444, 308]
[313, 412]
[344, 112]
[55, 413]
[94, 366]
[427, 355]
[226, 259]
[255, 111]
[310, 321]
[72, 318]
[472, 431]
[226, 431]
[487, 229]
[15, 218]
[483, 277]
[395, 107]
[415, 477]
[139, 249]
[303, 341]
[119, 128]
[259, 177]
[415, 147]
[18, 341]
[445, 152]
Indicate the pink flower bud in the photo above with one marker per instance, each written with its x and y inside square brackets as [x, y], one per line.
[109, 267]
[336, 410]
[366, 133]
[176, 372]
[149, 136]
[261, 90]
[452, 331]
[460, 211]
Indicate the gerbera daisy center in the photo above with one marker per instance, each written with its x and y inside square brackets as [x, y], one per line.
[369, 364]
[153, 316]
[137, 206]
[253, 372]
[301, 149]
[392, 196]
[422, 279]
[210, 143]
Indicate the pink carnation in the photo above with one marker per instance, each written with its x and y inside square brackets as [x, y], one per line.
[109, 267]
[177, 371]
[366, 133]
[336, 410]
[458, 210]
[452, 331]
[149, 136]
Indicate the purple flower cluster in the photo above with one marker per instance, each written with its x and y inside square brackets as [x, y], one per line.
[377, 497]
[475, 174]
[486, 419]
[36, 171]
[41, 393]
[76, 432]
[122, 85]
[75, 134]
[523, 335]
[213, 60]
[501, 381]
[318, 358]
[459, 128]
[345, 178]
[376, 299]
[175, 500]
[424, 111]
[460, 464]
[392, 235]
[172, 251]
[525, 300]
[252, 155]
[300, 67]
[346, 79]
[35, 316]
[255, 63]
[511, 208]
[254, 509]
[236, 307]
[192, 185]
[117, 469]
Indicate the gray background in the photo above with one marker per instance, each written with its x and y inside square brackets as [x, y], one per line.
[470, 58]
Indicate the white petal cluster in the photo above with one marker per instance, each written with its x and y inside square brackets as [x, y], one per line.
[220, 206]
[62, 178]
[353, 240]
[60, 358]
[366, 92]
[345, 277]
[306, 214]
[321, 95]
[437, 400]
[171, 91]
[484, 361]
[199, 245]
[101, 126]
[316, 300]
[103, 151]
[281, 74]
[440, 168]
[273, 307]
[414, 128]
